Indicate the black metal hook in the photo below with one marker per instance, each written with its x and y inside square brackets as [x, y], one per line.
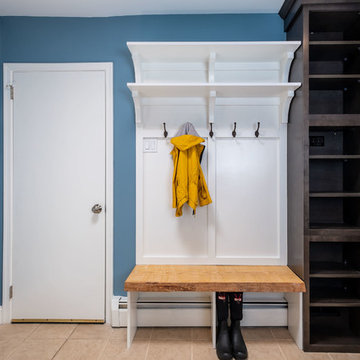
[165, 132]
[257, 133]
[211, 133]
[234, 131]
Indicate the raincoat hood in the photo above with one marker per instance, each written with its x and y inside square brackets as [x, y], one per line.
[185, 142]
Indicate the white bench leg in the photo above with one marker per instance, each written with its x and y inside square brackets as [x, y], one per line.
[131, 316]
[213, 319]
[295, 315]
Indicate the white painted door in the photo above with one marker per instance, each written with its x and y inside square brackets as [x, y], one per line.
[58, 244]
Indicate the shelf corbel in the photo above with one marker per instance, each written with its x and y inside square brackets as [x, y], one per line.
[137, 67]
[286, 106]
[212, 100]
[137, 106]
[212, 59]
[285, 66]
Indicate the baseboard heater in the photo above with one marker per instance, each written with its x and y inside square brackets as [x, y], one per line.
[157, 313]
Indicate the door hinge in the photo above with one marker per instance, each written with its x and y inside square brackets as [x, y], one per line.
[11, 292]
[11, 88]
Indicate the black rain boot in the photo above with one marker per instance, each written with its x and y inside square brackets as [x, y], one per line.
[223, 344]
[239, 349]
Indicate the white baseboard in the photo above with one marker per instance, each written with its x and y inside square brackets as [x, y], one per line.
[195, 314]
[1, 319]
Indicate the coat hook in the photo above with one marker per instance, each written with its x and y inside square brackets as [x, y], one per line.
[234, 131]
[211, 133]
[257, 130]
[165, 132]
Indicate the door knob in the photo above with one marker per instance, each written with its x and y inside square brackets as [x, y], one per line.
[96, 209]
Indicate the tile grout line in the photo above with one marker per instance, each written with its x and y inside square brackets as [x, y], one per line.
[22, 342]
[281, 351]
[148, 344]
[191, 349]
[103, 349]
[66, 339]
[191, 342]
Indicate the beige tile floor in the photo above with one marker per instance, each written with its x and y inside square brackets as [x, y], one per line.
[101, 342]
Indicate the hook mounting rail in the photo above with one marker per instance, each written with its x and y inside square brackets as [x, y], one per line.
[257, 133]
[234, 131]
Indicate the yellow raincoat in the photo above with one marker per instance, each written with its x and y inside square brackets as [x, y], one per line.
[188, 180]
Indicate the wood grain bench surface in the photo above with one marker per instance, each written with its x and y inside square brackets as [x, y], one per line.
[157, 278]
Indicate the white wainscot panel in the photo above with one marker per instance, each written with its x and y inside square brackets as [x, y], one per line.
[246, 115]
[174, 72]
[174, 114]
[166, 236]
[247, 200]
[246, 72]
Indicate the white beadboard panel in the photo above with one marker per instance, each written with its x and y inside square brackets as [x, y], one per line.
[169, 75]
[245, 112]
[174, 115]
[164, 235]
[247, 200]
[198, 72]
[247, 117]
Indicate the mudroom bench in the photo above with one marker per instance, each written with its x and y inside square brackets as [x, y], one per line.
[207, 278]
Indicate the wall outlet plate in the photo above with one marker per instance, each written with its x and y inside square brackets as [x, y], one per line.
[317, 141]
[150, 145]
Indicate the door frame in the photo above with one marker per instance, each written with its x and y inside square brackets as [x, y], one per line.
[8, 76]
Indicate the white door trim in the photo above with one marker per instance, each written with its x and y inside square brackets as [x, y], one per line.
[8, 72]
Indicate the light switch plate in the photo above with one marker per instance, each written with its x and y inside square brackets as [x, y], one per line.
[150, 145]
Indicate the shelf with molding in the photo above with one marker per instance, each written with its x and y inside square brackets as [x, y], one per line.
[283, 91]
[213, 58]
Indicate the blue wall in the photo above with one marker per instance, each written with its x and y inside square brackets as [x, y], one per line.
[1, 165]
[27, 39]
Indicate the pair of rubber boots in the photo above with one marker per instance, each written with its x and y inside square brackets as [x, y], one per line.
[230, 342]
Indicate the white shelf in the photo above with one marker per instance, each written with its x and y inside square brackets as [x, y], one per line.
[213, 62]
[254, 51]
[222, 90]
[283, 91]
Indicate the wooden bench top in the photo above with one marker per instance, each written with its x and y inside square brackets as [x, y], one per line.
[157, 278]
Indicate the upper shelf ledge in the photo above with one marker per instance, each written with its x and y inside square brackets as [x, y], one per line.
[272, 58]
[283, 91]
[230, 90]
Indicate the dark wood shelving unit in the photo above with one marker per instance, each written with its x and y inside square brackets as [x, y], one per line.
[334, 76]
[324, 170]
[333, 157]
[333, 120]
[332, 274]
[334, 194]
[335, 303]
[337, 43]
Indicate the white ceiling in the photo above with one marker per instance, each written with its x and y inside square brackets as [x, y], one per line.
[91, 8]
